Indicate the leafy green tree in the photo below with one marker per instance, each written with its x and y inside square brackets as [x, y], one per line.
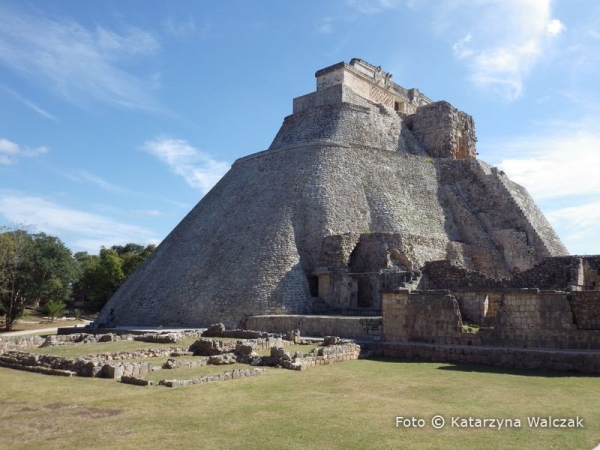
[33, 266]
[104, 273]
[15, 247]
[53, 268]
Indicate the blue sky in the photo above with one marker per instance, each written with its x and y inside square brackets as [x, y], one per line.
[116, 117]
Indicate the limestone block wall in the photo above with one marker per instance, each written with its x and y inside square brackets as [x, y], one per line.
[530, 310]
[530, 318]
[319, 326]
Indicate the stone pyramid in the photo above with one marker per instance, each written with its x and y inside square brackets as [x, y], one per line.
[364, 183]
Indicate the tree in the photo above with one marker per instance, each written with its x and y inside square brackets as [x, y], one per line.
[15, 251]
[103, 274]
[33, 266]
[53, 268]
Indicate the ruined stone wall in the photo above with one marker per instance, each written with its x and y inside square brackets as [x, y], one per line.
[445, 274]
[427, 317]
[319, 326]
[586, 309]
[555, 273]
[444, 131]
[560, 273]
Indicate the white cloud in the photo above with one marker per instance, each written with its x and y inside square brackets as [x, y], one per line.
[503, 40]
[560, 168]
[85, 231]
[197, 168]
[11, 152]
[579, 225]
[556, 165]
[555, 27]
[78, 63]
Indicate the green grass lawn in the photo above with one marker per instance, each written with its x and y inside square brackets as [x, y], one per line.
[346, 405]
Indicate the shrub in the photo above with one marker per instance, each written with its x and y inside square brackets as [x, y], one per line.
[54, 308]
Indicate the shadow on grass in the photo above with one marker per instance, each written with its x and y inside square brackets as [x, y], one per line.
[487, 369]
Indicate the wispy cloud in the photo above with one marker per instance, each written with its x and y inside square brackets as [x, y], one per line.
[86, 231]
[76, 62]
[11, 152]
[181, 29]
[80, 175]
[29, 104]
[146, 212]
[198, 169]
[374, 6]
[503, 40]
[324, 25]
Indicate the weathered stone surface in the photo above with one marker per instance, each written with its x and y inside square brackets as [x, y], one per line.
[331, 340]
[225, 358]
[210, 347]
[228, 375]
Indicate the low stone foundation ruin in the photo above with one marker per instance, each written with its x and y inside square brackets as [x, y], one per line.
[203, 352]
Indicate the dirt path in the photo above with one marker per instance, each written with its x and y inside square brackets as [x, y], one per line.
[39, 330]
